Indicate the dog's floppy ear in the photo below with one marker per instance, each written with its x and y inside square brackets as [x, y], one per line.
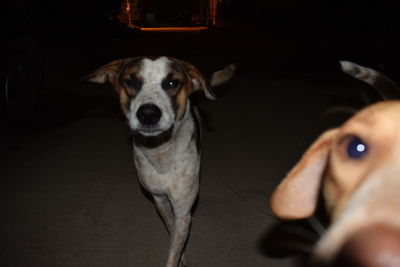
[223, 75]
[106, 73]
[198, 80]
[297, 195]
[110, 72]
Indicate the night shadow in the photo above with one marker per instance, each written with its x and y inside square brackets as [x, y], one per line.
[295, 238]
[197, 98]
[56, 109]
[287, 239]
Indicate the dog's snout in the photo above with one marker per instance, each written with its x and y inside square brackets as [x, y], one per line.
[375, 246]
[148, 114]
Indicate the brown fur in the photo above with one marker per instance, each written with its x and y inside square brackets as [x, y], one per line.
[345, 181]
[179, 72]
[117, 71]
[288, 201]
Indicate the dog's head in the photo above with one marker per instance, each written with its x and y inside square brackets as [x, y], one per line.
[356, 169]
[153, 91]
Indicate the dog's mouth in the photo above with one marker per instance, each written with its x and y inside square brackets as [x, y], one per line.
[149, 131]
[151, 137]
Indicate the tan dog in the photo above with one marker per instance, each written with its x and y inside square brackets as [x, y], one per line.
[165, 124]
[356, 168]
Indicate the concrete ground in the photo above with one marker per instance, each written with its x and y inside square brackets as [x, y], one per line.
[68, 191]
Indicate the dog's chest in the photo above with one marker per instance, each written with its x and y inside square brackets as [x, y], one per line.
[166, 172]
[172, 167]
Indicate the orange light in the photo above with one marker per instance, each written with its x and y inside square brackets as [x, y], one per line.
[174, 29]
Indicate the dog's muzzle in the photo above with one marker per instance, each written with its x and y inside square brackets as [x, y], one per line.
[148, 115]
[151, 130]
[375, 246]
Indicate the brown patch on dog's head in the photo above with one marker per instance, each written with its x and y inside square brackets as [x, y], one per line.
[181, 93]
[108, 73]
[191, 80]
[195, 80]
[130, 82]
[122, 74]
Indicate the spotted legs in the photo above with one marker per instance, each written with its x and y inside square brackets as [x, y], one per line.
[178, 240]
[178, 228]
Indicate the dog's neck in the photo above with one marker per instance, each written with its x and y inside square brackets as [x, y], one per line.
[162, 157]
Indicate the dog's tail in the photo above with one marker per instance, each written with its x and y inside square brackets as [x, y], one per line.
[223, 75]
[387, 88]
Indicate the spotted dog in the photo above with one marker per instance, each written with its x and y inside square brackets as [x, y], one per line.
[355, 169]
[154, 96]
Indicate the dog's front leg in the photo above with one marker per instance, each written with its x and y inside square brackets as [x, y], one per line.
[165, 210]
[179, 235]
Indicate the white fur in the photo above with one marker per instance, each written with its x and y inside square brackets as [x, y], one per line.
[170, 171]
[152, 72]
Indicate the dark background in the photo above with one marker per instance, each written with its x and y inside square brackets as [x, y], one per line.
[365, 31]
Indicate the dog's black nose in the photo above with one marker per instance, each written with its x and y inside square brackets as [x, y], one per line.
[148, 114]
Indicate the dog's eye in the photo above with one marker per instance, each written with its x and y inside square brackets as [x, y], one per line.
[356, 148]
[134, 82]
[170, 83]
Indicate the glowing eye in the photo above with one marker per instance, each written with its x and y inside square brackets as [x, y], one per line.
[173, 83]
[170, 83]
[356, 149]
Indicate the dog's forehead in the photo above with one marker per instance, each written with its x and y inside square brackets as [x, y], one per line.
[154, 70]
[375, 119]
[381, 109]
